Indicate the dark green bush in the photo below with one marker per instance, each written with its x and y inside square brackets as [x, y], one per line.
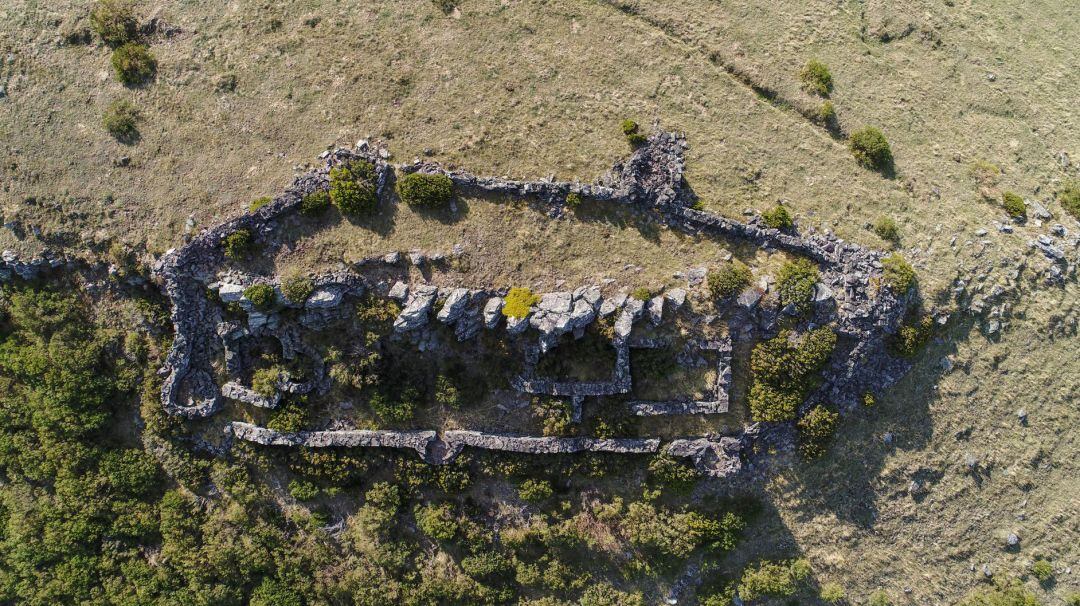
[297, 288]
[397, 410]
[114, 21]
[1069, 198]
[260, 295]
[352, 188]
[778, 217]
[629, 127]
[870, 148]
[134, 63]
[816, 429]
[636, 139]
[315, 203]
[783, 372]
[264, 381]
[675, 474]
[729, 280]
[436, 521]
[290, 418]
[121, 121]
[272, 592]
[898, 273]
[1014, 205]
[446, 393]
[446, 6]
[424, 190]
[911, 337]
[237, 244]
[258, 203]
[773, 579]
[534, 490]
[795, 283]
[887, 230]
[816, 78]
[303, 490]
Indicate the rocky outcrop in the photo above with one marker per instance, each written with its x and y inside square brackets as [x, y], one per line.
[718, 458]
[417, 307]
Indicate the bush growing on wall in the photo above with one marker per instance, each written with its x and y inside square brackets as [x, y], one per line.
[778, 217]
[795, 283]
[237, 244]
[352, 188]
[260, 295]
[729, 280]
[518, 301]
[315, 203]
[423, 190]
[816, 429]
[297, 288]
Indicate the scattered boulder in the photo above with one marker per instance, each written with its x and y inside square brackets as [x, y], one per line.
[417, 306]
[454, 305]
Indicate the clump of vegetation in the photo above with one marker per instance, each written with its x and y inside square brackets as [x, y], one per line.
[1069, 198]
[264, 381]
[114, 22]
[795, 284]
[436, 521]
[826, 112]
[816, 78]
[573, 199]
[315, 203]
[554, 415]
[773, 579]
[134, 64]
[260, 295]
[816, 430]
[1014, 205]
[518, 302]
[535, 491]
[778, 217]
[446, 6]
[121, 121]
[633, 135]
[832, 593]
[887, 230]
[259, 202]
[352, 188]
[729, 280]
[911, 337]
[674, 474]
[783, 372]
[678, 533]
[446, 393]
[898, 273]
[424, 190]
[641, 293]
[880, 598]
[1042, 570]
[238, 244]
[395, 410]
[297, 288]
[1009, 593]
[870, 148]
[303, 490]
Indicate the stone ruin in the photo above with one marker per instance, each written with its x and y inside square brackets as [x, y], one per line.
[848, 298]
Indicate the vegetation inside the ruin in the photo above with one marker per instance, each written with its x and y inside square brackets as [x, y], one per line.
[784, 370]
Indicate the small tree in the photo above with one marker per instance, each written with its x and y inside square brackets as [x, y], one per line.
[816, 78]
[795, 283]
[535, 491]
[134, 64]
[420, 189]
[870, 148]
[315, 203]
[816, 429]
[436, 521]
[237, 244]
[351, 188]
[729, 280]
[898, 273]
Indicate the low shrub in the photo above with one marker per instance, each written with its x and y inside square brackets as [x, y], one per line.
[1042, 570]
[237, 244]
[315, 203]
[783, 372]
[518, 302]
[114, 22]
[1014, 205]
[832, 593]
[431, 191]
[667, 471]
[826, 113]
[898, 273]
[134, 63]
[816, 78]
[880, 598]
[272, 592]
[121, 121]
[446, 6]
[887, 230]
[573, 199]
[303, 490]
[297, 288]
[436, 521]
[603, 594]
[260, 295]
[264, 381]
[677, 533]
[259, 202]
[911, 337]
[352, 188]
[729, 280]
[778, 217]
[870, 148]
[629, 127]
[397, 410]
[535, 491]
[289, 418]
[795, 284]
[641, 294]
[773, 579]
[636, 139]
[446, 393]
[1069, 198]
[553, 414]
[816, 430]
[1002, 594]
